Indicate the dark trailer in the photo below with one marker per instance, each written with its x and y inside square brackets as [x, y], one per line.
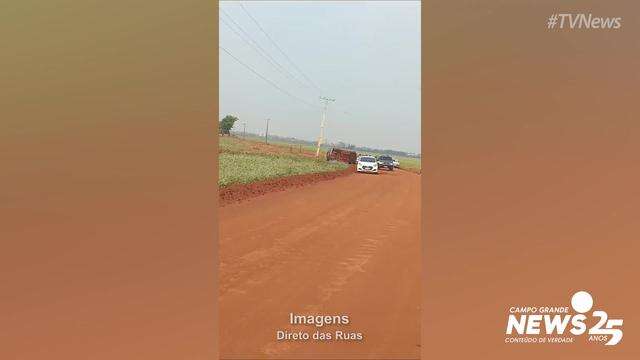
[346, 156]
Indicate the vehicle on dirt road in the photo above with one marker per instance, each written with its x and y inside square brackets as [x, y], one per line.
[367, 164]
[385, 161]
[396, 163]
[346, 156]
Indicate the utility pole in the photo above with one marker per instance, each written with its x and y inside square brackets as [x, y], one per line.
[244, 131]
[324, 118]
[266, 133]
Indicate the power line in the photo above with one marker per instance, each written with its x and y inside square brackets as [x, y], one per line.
[267, 80]
[250, 44]
[344, 111]
[257, 48]
[262, 52]
[279, 49]
[249, 40]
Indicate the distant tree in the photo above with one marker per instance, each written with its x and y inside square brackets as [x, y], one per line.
[226, 124]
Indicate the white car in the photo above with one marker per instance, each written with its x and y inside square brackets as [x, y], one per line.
[396, 163]
[367, 164]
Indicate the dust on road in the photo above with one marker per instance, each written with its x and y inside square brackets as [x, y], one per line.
[348, 246]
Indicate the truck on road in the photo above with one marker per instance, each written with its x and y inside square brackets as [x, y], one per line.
[346, 156]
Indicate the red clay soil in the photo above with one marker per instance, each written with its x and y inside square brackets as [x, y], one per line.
[240, 192]
[349, 246]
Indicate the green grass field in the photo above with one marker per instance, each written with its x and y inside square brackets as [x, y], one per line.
[409, 163]
[245, 161]
[247, 168]
[289, 145]
[406, 163]
[231, 144]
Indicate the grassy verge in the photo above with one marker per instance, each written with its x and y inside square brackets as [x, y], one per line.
[406, 163]
[411, 164]
[230, 144]
[289, 146]
[247, 168]
[243, 161]
[238, 144]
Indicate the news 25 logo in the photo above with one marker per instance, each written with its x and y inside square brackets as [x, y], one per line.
[558, 324]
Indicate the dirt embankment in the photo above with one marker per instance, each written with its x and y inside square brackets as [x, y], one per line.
[239, 192]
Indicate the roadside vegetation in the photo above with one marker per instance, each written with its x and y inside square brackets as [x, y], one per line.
[300, 146]
[409, 163]
[244, 161]
[406, 163]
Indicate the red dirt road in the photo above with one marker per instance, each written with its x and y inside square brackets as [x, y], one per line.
[348, 246]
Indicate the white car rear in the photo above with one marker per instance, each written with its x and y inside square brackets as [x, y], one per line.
[367, 164]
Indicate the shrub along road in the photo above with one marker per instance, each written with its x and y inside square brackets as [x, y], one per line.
[347, 246]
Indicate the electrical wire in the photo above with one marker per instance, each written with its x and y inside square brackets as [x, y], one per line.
[261, 51]
[280, 49]
[269, 81]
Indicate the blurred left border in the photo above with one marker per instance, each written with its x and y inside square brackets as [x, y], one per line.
[108, 175]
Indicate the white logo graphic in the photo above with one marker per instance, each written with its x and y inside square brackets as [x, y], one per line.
[555, 324]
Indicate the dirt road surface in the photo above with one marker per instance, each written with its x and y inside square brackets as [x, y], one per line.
[348, 246]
